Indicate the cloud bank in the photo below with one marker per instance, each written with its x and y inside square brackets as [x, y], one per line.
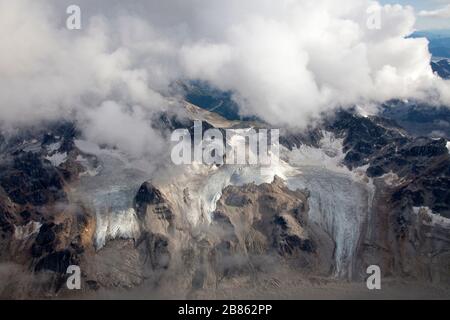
[285, 61]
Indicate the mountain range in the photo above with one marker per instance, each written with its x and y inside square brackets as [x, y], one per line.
[351, 192]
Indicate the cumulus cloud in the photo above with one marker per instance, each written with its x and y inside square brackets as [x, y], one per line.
[285, 61]
[290, 63]
[48, 73]
[122, 127]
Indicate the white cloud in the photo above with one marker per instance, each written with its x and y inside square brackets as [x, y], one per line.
[289, 62]
[48, 72]
[122, 127]
[438, 13]
[286, 61]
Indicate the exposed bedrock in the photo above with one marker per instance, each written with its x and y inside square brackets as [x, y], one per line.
[406, 241]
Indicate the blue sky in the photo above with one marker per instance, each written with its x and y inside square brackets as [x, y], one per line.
[420, 4]
[426, 23]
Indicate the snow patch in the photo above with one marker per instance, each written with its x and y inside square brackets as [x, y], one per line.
[90, 170]
[391, 179]
[51, 148]
[115, 215]
[328, 156]
[121, 224]
[26, 231]
[32, 146]
[433, 218]
[57, 159]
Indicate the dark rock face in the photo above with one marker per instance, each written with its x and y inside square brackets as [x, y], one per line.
[45, 240]
[32, 180]
[156, 249]
[26, 175]
[157, 221]
[57, 261]
[167, 122]
[39, 228]
[292, 140]
[287, 241]
[375, 171]
[150, 199]
[442, 68]
[159, 253]
[364, 137]
[148, 195]
[30, 186]
[6, 224]
[424, 147]
[236, 200]
[406, 242]
[426, 170]
[423, 163]
[226, 230]
[2, 142]
[9, 217]
[419, 119]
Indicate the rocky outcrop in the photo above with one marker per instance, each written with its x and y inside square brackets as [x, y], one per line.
[31, 180]
[270, 219]
[256, 230]
[442, 68]
[405, 241]
[146, 196]
[423, 164]
[157, 226]
[418, 118]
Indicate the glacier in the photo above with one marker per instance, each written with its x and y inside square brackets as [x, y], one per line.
[340, 199]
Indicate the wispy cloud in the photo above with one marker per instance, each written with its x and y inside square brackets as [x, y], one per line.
[441, 13]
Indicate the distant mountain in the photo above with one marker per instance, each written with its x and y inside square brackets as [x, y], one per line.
[419, 119]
